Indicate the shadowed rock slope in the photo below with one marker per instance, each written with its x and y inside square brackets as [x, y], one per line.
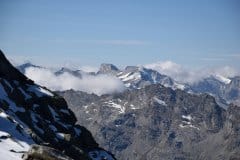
[31, 114]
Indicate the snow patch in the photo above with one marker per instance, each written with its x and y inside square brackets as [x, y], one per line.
[188, 126]
[179, 86]
[12, 105]
[46, 92]
[188, 117]
[124, 76]
[114, 105]
[8, 145]
[159, 101]
[223, 79]
[85, 107]
[39, 91]
[131, 76]
[14, 142]
[60, 135]
[3, 115]
[133, 107]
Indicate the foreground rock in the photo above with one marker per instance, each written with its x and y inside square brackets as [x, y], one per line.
[38, 152]
[31, 114]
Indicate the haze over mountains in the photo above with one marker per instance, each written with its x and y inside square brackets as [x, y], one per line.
[146, 115]
[145, 120]
[222, 83]
[120, 80]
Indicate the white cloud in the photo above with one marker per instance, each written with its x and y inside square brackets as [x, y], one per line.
[100, 84]
[225, 71]
[89, 68]
[184, 75]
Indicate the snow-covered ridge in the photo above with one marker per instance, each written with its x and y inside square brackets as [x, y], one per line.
[13, 142]
[223, 79]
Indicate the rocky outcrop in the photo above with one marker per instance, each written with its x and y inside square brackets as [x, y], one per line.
[42, 116]
[156, 122]
[37, 152]
[108, 69]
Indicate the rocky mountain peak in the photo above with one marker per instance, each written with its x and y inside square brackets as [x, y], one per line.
[106, 68]
[22, 68]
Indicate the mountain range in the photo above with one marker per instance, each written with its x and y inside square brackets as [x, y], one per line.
[226, 90]
[157, 117]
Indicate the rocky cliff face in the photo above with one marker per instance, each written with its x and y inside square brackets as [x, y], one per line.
[156, 122]
[224, 92]
[31, 114]
[108, 69]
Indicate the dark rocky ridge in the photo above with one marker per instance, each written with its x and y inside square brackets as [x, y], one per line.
[44, 115]
[7, 71]
[156, 122]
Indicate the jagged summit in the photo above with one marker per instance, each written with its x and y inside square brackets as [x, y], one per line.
[22, 68]
[77, 73]
[106, 68]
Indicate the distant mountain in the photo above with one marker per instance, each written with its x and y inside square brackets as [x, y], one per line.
[31, 114]
[232, 92]
[160, 118]
[138, 77]
[108, 69]
[77, 73]
[226, 90]
[156, 122]
[22, 68]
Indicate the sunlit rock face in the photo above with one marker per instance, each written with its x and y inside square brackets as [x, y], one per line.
[156, 122]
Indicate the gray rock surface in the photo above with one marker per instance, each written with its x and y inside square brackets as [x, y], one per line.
[33, 114]
[37, 152]
[156, 122]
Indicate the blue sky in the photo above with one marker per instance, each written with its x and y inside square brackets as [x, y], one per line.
[192, 33]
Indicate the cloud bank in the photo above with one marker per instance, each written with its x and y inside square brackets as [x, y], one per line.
[100, 84]
[191, 76]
